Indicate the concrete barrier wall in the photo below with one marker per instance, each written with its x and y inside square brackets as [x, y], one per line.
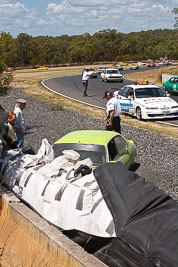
[166, 77]
[28, 240]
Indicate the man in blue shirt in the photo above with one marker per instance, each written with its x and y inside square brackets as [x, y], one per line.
[20, 124]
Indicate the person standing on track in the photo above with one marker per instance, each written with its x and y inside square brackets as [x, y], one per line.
[85, 77]
[113, 111]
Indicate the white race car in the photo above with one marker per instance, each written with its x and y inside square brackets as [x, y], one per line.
[146, 102]
[111, 75]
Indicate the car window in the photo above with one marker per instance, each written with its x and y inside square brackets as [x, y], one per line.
[149, 92]
[116, 147]
[113, 71]
[96, 153]
[120, 144]
[171, 80]
[112, 150]
[124, 91]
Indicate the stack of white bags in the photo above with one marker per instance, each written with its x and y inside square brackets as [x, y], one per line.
[51, 187]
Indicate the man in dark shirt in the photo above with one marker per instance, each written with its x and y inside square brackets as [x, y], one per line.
[4, 139]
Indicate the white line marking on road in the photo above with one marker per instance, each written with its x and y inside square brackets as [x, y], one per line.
[164, 122]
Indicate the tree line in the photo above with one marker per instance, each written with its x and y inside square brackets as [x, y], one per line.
[107, 45]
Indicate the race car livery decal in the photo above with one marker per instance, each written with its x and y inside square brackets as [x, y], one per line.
[156, 100]
[124, 105]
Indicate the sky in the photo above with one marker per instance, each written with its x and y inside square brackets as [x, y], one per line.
[76, 17]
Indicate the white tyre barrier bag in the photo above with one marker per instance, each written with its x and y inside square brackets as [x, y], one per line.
[51, 187]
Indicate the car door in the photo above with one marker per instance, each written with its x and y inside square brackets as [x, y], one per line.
[175, 84]
[102, 74]
[126, 100]
[170, 84]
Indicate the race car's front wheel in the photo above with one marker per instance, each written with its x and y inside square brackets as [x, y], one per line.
[139, 113]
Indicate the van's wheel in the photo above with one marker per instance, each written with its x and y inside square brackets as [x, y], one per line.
[139, 113]
[101, 79]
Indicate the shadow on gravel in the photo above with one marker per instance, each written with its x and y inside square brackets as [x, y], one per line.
[32, 127]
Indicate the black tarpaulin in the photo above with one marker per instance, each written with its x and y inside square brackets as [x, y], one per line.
[146, 220]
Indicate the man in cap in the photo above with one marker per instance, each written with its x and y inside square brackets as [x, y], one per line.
[113, 111]
[20, 124]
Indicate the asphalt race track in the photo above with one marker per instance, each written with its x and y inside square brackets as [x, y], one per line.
[71, 87]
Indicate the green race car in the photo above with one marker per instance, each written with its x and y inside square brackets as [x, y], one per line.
[171, 85]
[119, 67]
[100, 146]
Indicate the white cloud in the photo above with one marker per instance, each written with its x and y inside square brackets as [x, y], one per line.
[80, 16]
[16, 10]
[64, 7]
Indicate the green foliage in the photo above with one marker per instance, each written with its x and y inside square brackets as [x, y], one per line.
[175, 11]
[5, 80]
[172, 184]
[105, 45]
[2, 65]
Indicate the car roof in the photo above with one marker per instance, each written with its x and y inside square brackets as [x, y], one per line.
[134, 86]
[112, 69]
[97, 137]
[174, 77]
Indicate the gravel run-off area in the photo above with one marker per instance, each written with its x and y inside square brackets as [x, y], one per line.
[157, 155]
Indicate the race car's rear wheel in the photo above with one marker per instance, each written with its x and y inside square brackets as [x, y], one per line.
[139, 113]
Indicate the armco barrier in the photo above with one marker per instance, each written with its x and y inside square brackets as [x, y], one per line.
[27, 240]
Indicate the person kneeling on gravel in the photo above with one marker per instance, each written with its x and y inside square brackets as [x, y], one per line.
[12, 143]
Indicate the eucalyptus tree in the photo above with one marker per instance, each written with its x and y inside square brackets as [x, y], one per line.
[23, 43]
[175, 11]
[5, 78]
